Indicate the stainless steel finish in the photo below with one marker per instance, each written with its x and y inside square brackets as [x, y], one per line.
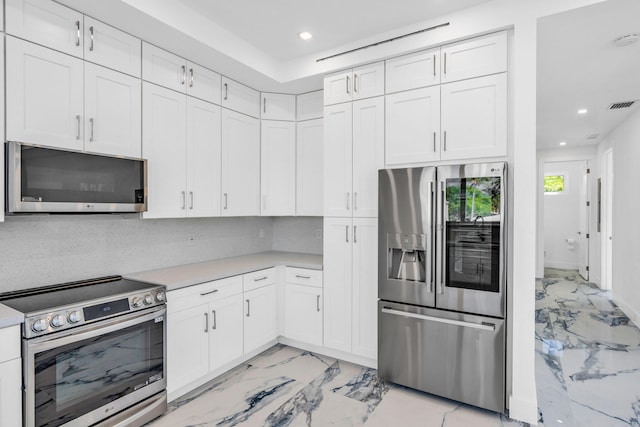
[206, 322]
[91, 122]
[36, 345]
[191, 198]
[226, 91]
[91, 33]
[78, 127]
[209, 293]
[184, 74]
[184, 199]
[77, 33]
[347, 84]
[346, 234]
[318, 303]
[248, 308]
[191, 77]
[440, 240]
[138, 415]
[446, 357]
[355, 82]
[355, 236]
[226, 199]
[215, 320]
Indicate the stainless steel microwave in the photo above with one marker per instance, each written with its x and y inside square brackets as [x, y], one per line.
[45, 179]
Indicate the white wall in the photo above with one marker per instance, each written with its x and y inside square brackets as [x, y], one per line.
[625, 140]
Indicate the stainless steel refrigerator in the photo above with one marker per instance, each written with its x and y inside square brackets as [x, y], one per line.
[441, 281]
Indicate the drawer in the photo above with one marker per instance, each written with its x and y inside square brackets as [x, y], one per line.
[258, 279]
[11, 340]
[211, 291]
[303, 276]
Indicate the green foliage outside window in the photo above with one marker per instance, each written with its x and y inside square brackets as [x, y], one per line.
[554, 184]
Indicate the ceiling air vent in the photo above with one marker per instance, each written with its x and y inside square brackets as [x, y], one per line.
[618, 105]
[593, 136]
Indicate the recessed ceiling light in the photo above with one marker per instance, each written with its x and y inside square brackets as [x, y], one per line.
[305, 35]
[583, 111]
[563, 142]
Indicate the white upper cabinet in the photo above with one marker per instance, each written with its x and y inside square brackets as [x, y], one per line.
[111, 47]
[278, 168]
[480, 56]
[309, 106]
[203, 83]
[47, 23]
[163, 68]
[44, 96]
[474, 118]
[413, 71]
[240, 164]
[113, 112]
[362, 82]
[240, 98]
[309, 171]
[413, 126]
[338, 159]
[278, 106]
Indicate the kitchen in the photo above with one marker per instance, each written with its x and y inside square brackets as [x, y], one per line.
[72, 248]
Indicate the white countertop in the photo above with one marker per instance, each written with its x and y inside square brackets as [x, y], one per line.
[181, 276]
[9, 317]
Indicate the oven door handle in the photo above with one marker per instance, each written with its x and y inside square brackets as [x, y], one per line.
[93, 330]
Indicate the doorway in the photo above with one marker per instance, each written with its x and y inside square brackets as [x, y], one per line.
[606, 220]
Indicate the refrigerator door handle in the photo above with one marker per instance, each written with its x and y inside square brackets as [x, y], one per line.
[441, 232]
[483, 326]
[431, 261]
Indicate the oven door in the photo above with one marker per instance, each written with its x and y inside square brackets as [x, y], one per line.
[84, 375]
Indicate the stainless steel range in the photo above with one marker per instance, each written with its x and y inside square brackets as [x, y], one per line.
[94, 353]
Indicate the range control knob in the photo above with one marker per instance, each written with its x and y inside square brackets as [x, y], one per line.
[57, 321]
[74, 317]
[39, 325]
[136, 302]
[160, 296]
[148, 299]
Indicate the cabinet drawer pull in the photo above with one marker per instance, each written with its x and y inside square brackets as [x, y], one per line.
[261, 278]
[226, 91]
[300, 276]
[191, 77]
[248, 308]
[215, 321]
[78, 123]
[209, 293]
[184, 74]
[191, 197]
[184, 199]
[206, 322]
[355, 82]
[318, 303]
[347, 84]
[225, 200]
[77, 33]
[91, 133]
[91, 34]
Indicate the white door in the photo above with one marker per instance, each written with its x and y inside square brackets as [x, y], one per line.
[113, 110]
[413, 71]
[368, 153]
[474, 118]
[309, 168]
[607, 234]
[203, 83]
[45, 99]
[278, 168]
[225, 331]
[163, 145]
[583, 223]
[368, 81]
[413, 126]
[338, 88]
[259, 317]
[111, 47]
[303, 313]
[365, 287]
[240, 164]
[204, 151]
[163, 68]
[47, 23]
[337, 286]
[338, 159]
[240, 98]
[187, 346]
[278, 106]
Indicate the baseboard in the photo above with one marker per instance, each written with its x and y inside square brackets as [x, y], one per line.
[561, 265]
[523, 410]
[631, 313]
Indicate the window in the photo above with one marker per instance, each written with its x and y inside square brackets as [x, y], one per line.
[554, 184]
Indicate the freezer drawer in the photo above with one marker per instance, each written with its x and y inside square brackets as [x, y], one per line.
[461, 357]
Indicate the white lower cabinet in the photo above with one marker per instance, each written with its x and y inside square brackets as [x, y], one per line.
[10, 377]
[226, 335]
[350, 285]
[260, 317]
[303, 305]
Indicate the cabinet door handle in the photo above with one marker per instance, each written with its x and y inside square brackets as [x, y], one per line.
[91, 34]
[264, 105]
[248, 308]
[215, 320]
[91, 132]
[184, 199]
[355, 82]
[346, 234]
[355, 201]
[348, 195]
[184, 74]
[445, 62]
[206, 322]
[434, 142]
[355, 235]
[226, 199]
[190, 77]
[300, 276]
[208, 293]
[77, 33]
[445, 141]
[347, 84]
[434, 65]
[259, 279]
[191, 197]
[226, 91]
[78, 123]
[318, 303]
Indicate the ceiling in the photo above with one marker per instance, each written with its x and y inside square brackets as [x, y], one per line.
[579, 67]
[272, 26]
